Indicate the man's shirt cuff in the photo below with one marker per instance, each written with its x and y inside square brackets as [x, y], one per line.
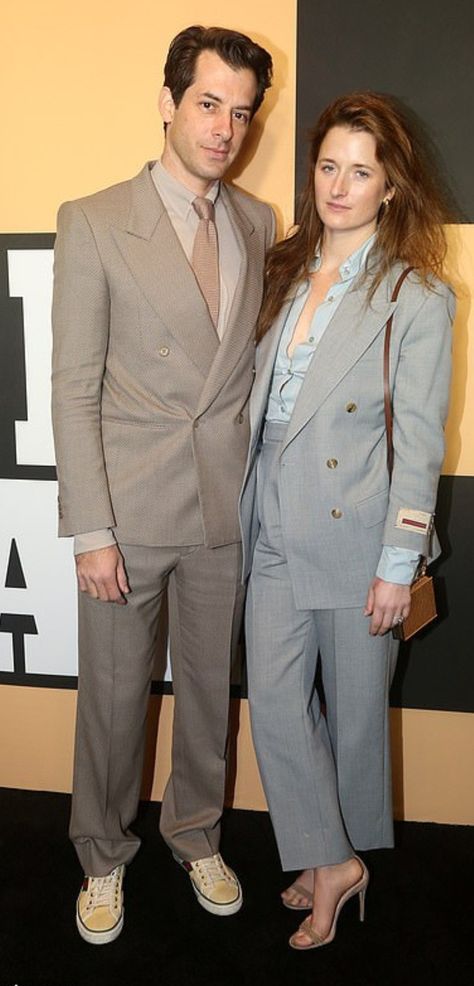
[93, 540]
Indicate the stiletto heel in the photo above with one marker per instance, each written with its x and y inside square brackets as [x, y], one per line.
[362, 904]
[306, 927]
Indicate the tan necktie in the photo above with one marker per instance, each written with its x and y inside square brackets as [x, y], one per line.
[205, 258]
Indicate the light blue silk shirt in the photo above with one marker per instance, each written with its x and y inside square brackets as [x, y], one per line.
[396, 564]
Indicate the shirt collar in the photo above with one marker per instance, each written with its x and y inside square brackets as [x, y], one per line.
[175, 194]
[353, 264]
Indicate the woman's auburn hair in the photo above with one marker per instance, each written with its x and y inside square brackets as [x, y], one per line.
[410, 228]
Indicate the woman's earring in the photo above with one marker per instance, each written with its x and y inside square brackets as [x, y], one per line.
[386, 200]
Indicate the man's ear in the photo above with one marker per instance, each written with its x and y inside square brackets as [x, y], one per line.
[166, 105]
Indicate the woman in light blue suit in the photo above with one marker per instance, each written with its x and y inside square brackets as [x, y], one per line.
[332, 544]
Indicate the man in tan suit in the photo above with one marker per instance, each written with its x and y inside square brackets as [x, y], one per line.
[158, 283]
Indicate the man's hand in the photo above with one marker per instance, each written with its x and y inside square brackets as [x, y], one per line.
[387, 604]
[102, 574]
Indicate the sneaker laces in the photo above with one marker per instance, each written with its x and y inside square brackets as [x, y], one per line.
[103, 890]
[212, 870]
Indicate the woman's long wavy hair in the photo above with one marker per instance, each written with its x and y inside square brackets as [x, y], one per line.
[409, 229]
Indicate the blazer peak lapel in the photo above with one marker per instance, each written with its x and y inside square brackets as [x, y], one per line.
[351, 331]
[265, 360]
[157, 262]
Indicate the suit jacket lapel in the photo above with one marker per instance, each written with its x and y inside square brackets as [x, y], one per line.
[351, 331]
[246, 303]
[265, 359]
[156, 260]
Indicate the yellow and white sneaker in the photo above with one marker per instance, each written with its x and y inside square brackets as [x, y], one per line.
[215, 884]
[99, 911]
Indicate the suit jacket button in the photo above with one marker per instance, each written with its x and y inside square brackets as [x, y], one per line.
[164, 351]
[195, 424]
[336, 513]
[351, 407]
[332, 463]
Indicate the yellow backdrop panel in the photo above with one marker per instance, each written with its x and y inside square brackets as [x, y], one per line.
[460, 428]
[433, 753]
[82, 83]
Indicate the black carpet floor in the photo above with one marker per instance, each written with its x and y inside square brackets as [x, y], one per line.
[419, 924]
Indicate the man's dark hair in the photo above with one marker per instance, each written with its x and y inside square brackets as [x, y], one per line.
[235, 49]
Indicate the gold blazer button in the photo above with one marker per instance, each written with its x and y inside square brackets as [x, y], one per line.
[351, 407]
[164, 351]
[332, 463]
[336, 513]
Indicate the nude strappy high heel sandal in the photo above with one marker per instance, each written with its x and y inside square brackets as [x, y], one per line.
[306, 927]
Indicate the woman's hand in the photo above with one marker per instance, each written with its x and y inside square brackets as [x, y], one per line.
[387, 604]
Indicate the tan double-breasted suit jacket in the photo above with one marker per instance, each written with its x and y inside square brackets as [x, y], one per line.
[145, 399]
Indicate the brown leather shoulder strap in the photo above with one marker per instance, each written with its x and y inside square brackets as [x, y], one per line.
[387, 398]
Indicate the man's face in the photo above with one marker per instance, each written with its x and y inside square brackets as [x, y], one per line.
[205, 132]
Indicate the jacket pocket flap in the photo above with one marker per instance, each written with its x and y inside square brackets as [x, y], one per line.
[373, 509]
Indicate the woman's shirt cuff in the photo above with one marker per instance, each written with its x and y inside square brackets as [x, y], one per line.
[397, 565]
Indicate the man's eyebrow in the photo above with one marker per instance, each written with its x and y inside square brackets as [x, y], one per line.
[217, 99]
[211, 95]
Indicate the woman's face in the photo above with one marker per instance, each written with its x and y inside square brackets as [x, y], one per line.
[349, 182]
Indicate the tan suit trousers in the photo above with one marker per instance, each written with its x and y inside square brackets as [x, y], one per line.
[117, 647]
